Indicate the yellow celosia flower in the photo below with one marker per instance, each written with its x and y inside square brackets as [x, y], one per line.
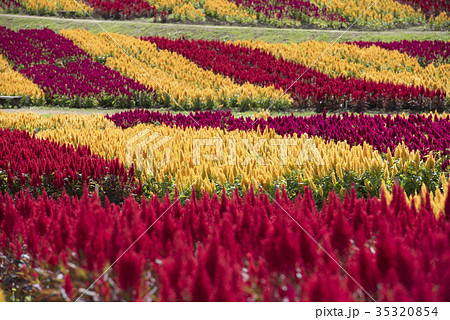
[189, 12]
[383, 13]
[168, 5]
[372, 63]
[437, 198]
[210, 155]
[229, 11]
[52, 6]
[166, 71]
[14, 83]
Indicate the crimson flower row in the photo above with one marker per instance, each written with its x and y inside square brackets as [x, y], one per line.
[123, 9]
[237, 249]
[309, 88]
[65, 71]
[436, 51]
[418, 132]
[28, 162]
[293, 9]
[9, 4]
[429, 7]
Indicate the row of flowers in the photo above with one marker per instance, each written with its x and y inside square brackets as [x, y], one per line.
[177, 80]
[423, 133]
[200, 74]
[13, 83]
[429, 7]
[256, 63]
[247, 248]
[123, 9]
[229, 11]
[9, 5]
[373, 63]
[66, 73]
[426, 52]
[221, 241]
[211, 158]
[323, 13]
[198, 10]
[37, 165]
[280, 12]
[287, 12]
[383, 14]
[46, 7]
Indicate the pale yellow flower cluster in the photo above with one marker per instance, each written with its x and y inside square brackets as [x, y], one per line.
[195, 10]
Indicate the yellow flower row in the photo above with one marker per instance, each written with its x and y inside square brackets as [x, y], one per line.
[196, 9]
[442, 21]
[189, 12]
[198, 156]
[372, 63]
[168, 5]
[13, 83]
[166, 71]
[203, 157]
[35, 122]
[383, 13]
[186, 169]
[52, 6]
[228, 11]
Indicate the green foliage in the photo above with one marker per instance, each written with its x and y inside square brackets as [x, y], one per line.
[366, 184]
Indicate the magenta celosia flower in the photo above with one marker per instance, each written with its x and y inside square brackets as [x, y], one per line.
[130, 268]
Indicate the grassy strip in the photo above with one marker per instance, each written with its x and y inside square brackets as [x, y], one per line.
[146, 27]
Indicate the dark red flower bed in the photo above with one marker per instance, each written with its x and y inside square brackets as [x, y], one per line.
[123, 9]
[293, 9]
[10, 4]
[313, 88]
[65, 71]
[237, 249]
[429, 7]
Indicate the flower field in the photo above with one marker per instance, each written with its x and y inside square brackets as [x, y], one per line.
[212, 170]
[208, 74]
[291, 13]
[367, 195]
